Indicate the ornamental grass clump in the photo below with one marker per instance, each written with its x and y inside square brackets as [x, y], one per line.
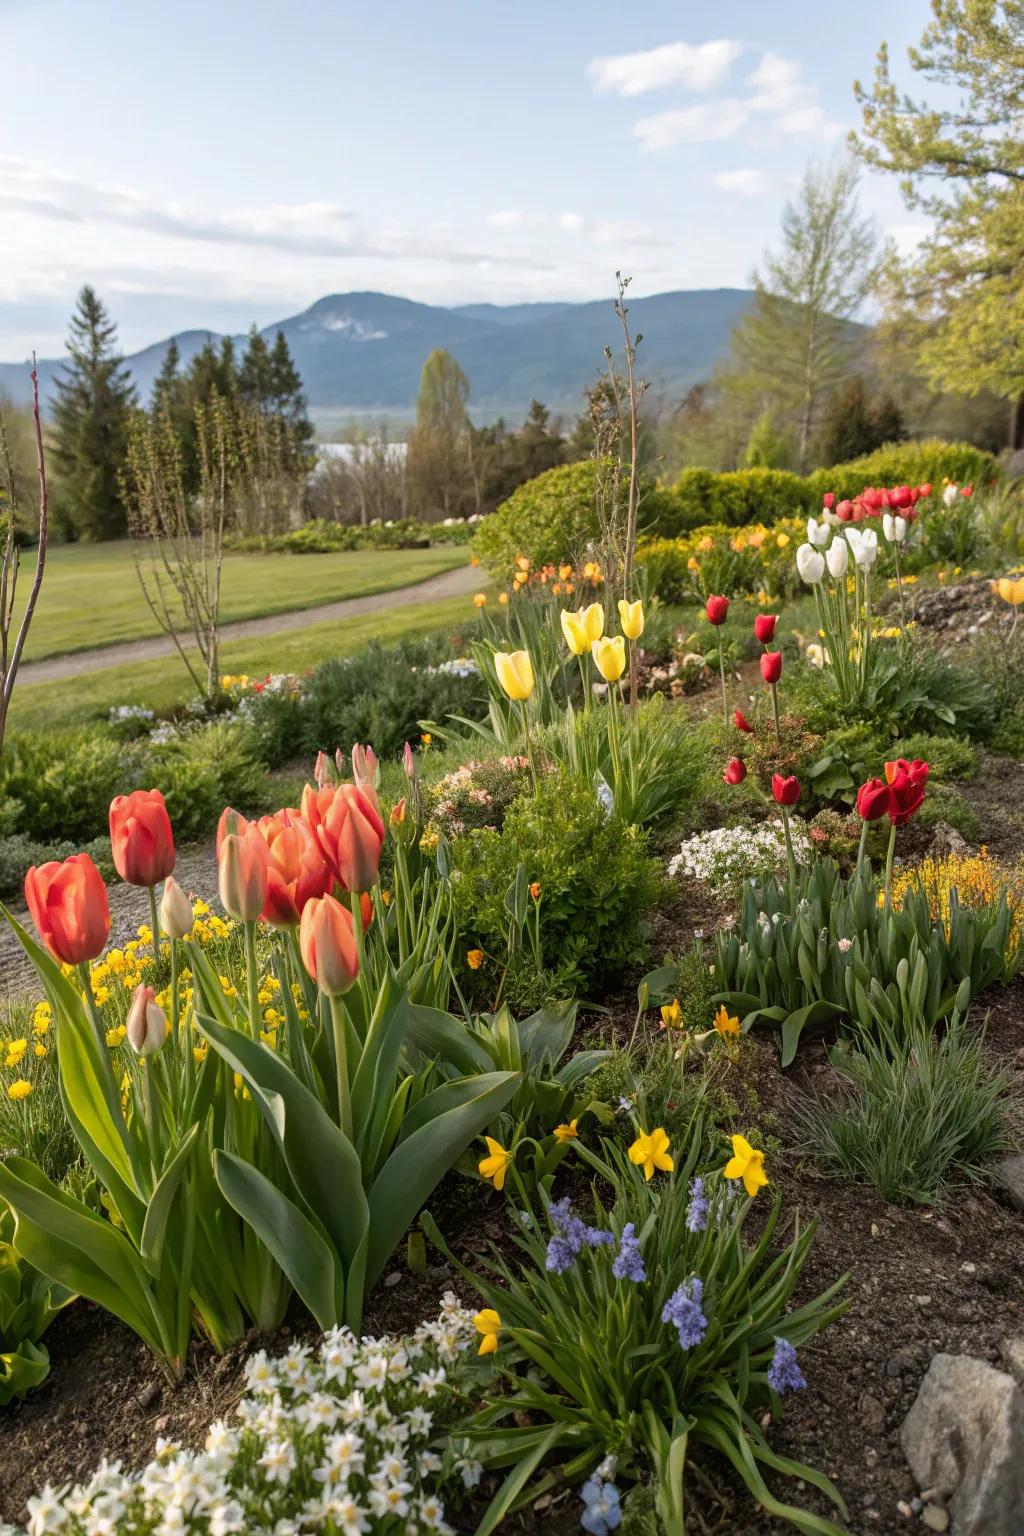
[638, 1323]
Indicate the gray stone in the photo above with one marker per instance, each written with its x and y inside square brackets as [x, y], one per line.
[1008, 1175]
[1012, 1353]
[964, 1440]
[935, 1517]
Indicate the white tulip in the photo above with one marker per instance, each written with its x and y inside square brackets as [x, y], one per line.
[949, 495]
[817, 533]
[838, 557]
[176, 918]
[810, 564]
[817, 655]
[146, 1023]
[894, 528]
[864, 546]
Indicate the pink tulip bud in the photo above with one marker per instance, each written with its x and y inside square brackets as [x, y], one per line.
[339, 762]
[323, 771]
[242, 874]
[409, 763]
[146, 1024]
[364, 766]
[328, 945]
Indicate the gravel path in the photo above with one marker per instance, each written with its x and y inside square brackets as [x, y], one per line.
[454, 583]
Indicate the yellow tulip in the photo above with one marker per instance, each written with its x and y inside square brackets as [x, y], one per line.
[480, 600]
[592, 619]
[671, 1014]
[576, 637]
[726, 1024]
[610, 657]
[747, 1164]
[651, 1151]
[565, 571]
[496, 1164]
[631, 617]
[488, 1324]
[1010, 591]
[515, 674]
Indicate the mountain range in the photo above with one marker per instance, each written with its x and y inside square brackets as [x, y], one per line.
[362, 352]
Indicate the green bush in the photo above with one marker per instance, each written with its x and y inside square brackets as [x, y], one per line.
[596, 884]
[202, 771]
[62, 782]
[735, 498]
[550, 519]
[320, 537]
[927, 462]
[18, 853]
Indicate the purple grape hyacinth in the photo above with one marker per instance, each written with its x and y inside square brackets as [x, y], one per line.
[628, 1263]
[683, 1310]
[784, 1374]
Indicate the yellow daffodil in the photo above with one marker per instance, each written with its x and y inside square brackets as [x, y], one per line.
[487, 1323]
[480, 600]
[19, 1089]
[592, 619]
[693, 564]
[747, 1164]
[609, 657]
[725, 1023]
[496, 1164]
[475, 959]
[1010, 591]
[515, 674]
[671, 1014]
[564, 572]
[631, 617]
[592, 572]
[651, 1151]
[575, 632]
[566, 1132]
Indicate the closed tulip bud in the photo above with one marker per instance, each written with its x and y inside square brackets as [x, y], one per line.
[610, 657]
[786, 790]
[741, 722]
[365, 768]
[327, 943]
[242, 874]
[894, 528]
[146, 1024]
[409, 762]
[175, 910]
[141, 841]
[339, 762]
[844, 511]
[631, 617]
[397, 815]
[925, 490]
[575, 633]
[771, 666]
[735, 771]
[515, 673]
[829, 500]
[68, 903]
[592, 619]
[764, 627]
[873, 799]
[231, 821]
[817, 533]
[838, 558]
[323, 771]
[810, 564]
[717, 609]
[864, 546]
[967, 491]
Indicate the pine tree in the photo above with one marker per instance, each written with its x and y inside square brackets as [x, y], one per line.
[169, 385]
[269, 381]
[92, 420]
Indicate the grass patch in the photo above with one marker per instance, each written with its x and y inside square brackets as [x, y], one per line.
[162, 683]
[91, 594]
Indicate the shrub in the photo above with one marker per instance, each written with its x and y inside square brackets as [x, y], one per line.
[913, 1112]
[736, 497]
[19, 853]
[477, 794]
[202, 771]
[63, 781]
[927, 462]
[717, 558]
[596, 883]
[551, 518]
[319, 537]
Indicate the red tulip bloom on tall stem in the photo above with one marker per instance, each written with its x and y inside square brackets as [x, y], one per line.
[899, 796]
[142, 845]
[69, 907]
[786, 792]
[771, 671]
[717, 610]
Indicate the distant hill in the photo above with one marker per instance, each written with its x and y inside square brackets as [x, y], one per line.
[363, 351]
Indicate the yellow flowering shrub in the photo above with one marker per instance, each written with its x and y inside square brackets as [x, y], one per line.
[978, 880]
[756, 560]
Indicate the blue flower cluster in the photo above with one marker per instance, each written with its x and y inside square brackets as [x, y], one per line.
[697, 1210]
[683, 1309]
[784, 1374]
[572, 1235]
[601, 1507]
[628, 1263]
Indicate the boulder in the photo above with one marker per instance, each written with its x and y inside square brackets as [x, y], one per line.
[964, 1440]
[1008, 1175]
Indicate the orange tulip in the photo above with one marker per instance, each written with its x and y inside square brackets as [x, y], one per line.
[328, 945]
[296, 869]
[345, 819]
[141, 840]
[68, 903]
[242, 873]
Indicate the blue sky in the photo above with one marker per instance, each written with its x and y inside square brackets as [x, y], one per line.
[210, 162]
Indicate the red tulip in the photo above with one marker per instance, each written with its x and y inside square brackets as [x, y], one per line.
[967, 490]
[345, 819]
[717, 609]
[141, 840]
[764, 627]
[327, 942]
[786, 791]
[844, 511]
[771, 666]
[907, 783]
[296, 868]
[873, 800]
[741, 722]
[900, 496]
[828, 501]
[68, 903]
[242, 873]
[925, 489]
[735, 771]
[872, 499]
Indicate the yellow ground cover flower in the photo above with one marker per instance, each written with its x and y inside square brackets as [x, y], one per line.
[19, 1089]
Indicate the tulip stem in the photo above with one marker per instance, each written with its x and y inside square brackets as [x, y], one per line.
[862, 846]
[888, 867]
[583, 679]
[529, 744]
[154, 920]
[775, 711]
[90, 1001]
[899, 589]
[721, 668]
[174, 990]
[252, 980]
[790, 855]
[340, 1027]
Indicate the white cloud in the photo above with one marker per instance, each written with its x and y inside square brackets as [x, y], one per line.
[700, 124]
[513, 218]
[572, 222]
[747, 181]
[624, 232]
[697, 67]
[787, 98]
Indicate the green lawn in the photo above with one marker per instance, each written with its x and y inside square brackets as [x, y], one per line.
[163, 683]
[91, 594]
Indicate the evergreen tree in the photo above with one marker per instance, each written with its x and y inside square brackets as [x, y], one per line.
[92, 420]
[256, 373]
[767, 447]
[169, 385]
[440, 466]
[854, 425]
[269, 381]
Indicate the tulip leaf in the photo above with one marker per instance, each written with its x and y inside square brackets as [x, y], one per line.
[814, 1013]
[436, 1033]
[303, 1254]
[154, 1230]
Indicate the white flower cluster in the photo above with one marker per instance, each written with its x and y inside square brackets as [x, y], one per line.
[729, 855]
[338, 1441]
[123, 714]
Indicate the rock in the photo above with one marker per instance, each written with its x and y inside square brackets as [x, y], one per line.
[872, 1411]
[964, 1440]
[946, 840]
[896, 1366]
[1008, 1175]
[150, 1395]
[936, 1518]
[1012, 1354]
